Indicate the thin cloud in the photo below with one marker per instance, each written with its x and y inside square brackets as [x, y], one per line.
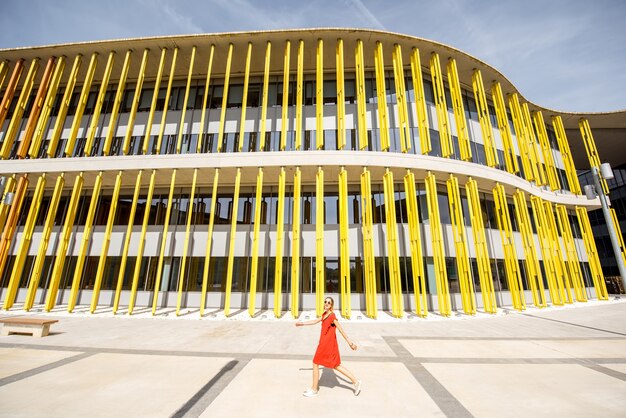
[365, 13]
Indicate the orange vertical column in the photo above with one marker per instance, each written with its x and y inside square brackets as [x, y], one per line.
[10, 91]
[36, 109]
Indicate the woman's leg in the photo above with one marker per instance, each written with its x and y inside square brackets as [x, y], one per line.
[346, 373]
[316, 377]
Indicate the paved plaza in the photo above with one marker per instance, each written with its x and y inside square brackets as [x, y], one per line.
[560, 361]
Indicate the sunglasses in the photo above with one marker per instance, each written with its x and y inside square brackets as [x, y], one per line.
[327, 302]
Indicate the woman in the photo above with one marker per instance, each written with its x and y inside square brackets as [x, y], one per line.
[327, 353]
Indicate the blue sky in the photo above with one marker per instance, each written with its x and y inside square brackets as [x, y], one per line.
[563, 55]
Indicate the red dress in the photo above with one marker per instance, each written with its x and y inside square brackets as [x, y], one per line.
[327, 353]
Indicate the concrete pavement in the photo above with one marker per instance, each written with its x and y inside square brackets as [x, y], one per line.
[568, 361]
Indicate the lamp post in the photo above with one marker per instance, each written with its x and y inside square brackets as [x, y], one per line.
[591, 191]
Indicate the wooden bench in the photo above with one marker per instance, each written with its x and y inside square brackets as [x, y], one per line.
[38, 327]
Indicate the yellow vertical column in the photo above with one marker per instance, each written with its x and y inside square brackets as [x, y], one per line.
[278, 271]
[546, 150]
[533, 270]
[528, 164]
[480, 242]
[20, 107]
[459, 110]
[95, 118]
[84, 243]
[381, 94]
[417, 260]
[553, 275]
[80, 107]
[4, 69]
[142, 242]
[443, 121]
[516, 116]
[51, 95]
[135, 103]
[510, 158]
[572, 255]
[37, 270]
[35, 109]
[207, 259]
[129, 231]
[369, 269]
[468, 298]
[244, 104]
[341, 96]
[65, 102]
[183, 264]
[167, 100]
[64, 241]
[9, 228]
[533, 145]
[319, 96]
[439, 258]
[266, 77]
[564, 279]
[592, 151]
[254, 270]
[285, 109]
[183, 113]
[592, 254]
[220, 135]
[204, 99]
[403, 115]
[4, 207]
[231, 245]
[166, 224]
[22, 251]
[566, 155]
[344, 248]
[360, 95]
[397, 308]
[299, 82]
[484, 119]
[420, 102]
[104, 252]
[155, 98]
[320, 270]
[111, 130]
[512, 272]
[295, 246]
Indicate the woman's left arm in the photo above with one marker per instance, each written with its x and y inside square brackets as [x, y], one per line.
[343, 334]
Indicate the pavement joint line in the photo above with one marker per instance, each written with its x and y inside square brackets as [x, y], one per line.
[201, 400]
[510, 338]
[573, 324]
[402, 355]
[239, 356]
[448, 404]
[516, 360]
[397, 347]
[41, 369]
[605, 370]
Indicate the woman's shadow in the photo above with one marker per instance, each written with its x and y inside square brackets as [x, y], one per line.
[330, 379]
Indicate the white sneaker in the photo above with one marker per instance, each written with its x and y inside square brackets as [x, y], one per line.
[309, 393]
[357, 388]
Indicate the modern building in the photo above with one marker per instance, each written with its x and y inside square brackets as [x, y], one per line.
[262, 170]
